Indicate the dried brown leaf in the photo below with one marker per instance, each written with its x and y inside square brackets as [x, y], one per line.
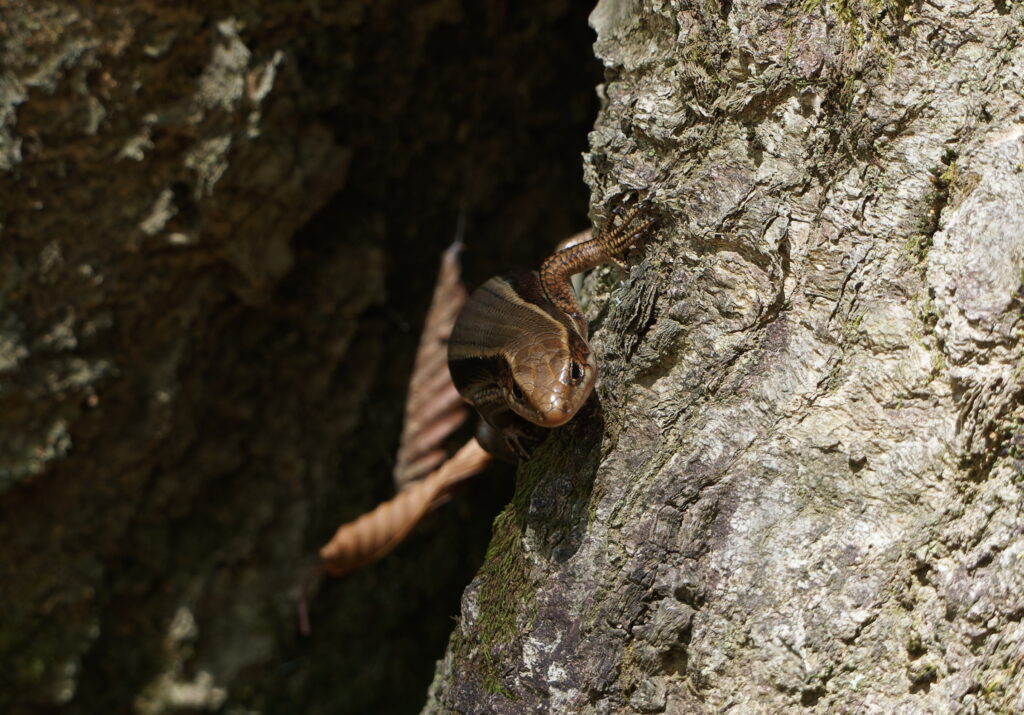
[375, 533]
[433, 408]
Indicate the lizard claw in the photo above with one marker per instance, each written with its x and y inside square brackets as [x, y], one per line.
[516, 442]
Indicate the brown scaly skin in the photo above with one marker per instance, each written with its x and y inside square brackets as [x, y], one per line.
[519, 353]
[608, 246]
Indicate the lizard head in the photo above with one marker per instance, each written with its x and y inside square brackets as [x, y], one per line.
[550, 379]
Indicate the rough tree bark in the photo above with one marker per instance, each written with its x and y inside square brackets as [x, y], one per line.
[802, 483]
[219, 224]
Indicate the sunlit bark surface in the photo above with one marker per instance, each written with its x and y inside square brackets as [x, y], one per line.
[802, 484]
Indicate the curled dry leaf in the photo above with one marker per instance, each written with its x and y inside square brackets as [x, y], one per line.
[375, 533]
[433, 409]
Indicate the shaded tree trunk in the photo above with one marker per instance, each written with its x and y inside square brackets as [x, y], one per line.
[801, 484]
[219, 225]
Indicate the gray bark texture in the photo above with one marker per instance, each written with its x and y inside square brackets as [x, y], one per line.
[801, 485]
[219, 227]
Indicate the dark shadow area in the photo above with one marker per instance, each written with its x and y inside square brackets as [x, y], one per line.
[256, 387]
[561, 499]
[489, 117]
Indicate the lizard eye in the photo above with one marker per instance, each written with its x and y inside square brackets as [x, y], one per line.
[517, 392]
[576, 372]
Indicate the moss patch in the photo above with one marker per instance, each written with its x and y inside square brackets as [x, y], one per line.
[863, 18]
[505, 589]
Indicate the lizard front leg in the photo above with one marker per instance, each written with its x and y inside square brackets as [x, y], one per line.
[502, 432]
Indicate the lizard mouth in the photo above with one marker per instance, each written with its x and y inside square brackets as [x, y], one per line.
[556, 418]
[561, 405]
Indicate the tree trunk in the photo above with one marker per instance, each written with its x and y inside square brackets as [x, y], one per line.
[801, 483]
[219, 226]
